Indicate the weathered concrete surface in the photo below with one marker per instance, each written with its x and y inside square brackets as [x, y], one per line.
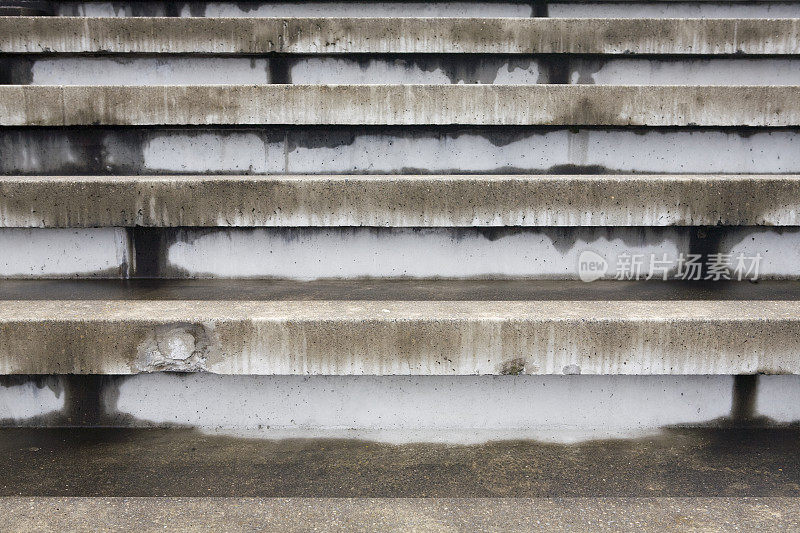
[401, 515]
[400, 337]
[399, 201]
[678, 462]
[26, 105]
[399, 35]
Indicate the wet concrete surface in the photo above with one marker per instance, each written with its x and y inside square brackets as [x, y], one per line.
[680, 462]
[396, 290]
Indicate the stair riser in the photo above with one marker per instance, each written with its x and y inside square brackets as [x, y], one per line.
[398, 150]
[572, 408]
[512, 8]
[172, 70]
[351, 253]
[399, 35]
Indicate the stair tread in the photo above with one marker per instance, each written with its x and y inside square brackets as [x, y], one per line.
[408, 105]
[644, 514]
[377, 290]
[404, 105]
[399, 200]
[398, 35]
[355, 333]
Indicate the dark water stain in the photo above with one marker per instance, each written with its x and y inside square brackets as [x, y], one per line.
[745, 389]
[185, 462]
[16, 70]
[279, 69]
[89, 401]
[149, 251]
[100, 459]
[705, 241]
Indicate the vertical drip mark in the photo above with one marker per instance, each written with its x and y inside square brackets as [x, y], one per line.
[704, 242]
[148, 252]
[743, 408]
[279, 71]
[539, 8]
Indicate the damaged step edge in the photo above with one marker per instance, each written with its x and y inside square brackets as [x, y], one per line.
[367, 337]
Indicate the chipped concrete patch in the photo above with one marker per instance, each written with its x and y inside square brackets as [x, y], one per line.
[176, 348]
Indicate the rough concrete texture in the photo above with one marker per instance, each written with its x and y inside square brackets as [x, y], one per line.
[399, 514]
[679, 462]
[391, 337]
[399, 35]
[511, 105]
[399, 201]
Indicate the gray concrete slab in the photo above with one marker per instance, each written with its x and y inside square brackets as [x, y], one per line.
[177, 462]
[399, 514]
[400, 337]
[399, 201]
[499, 105]
[398, 35]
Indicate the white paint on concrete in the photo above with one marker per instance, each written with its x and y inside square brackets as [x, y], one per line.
[756, 9]
[779, 249]
[149, 71]
[337, 70]
[320, 253]
[343, 70]
[321, 9]
[304, 254]
[29, 399]
[369, 9]
[778, 398]
[59, 253]
[633, 71]
[564, 408]
[615, 150]
[234, 152]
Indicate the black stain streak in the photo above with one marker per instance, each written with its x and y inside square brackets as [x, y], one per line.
[539, 8]
[705, 241]
[279, 70]
[89, 401]
[148, 249]
[743, 409]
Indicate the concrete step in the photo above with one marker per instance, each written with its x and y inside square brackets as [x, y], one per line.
[186, 462]
[399, 35]
[397, 329]
[398, 514]
[399, 201]
[500, 105]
